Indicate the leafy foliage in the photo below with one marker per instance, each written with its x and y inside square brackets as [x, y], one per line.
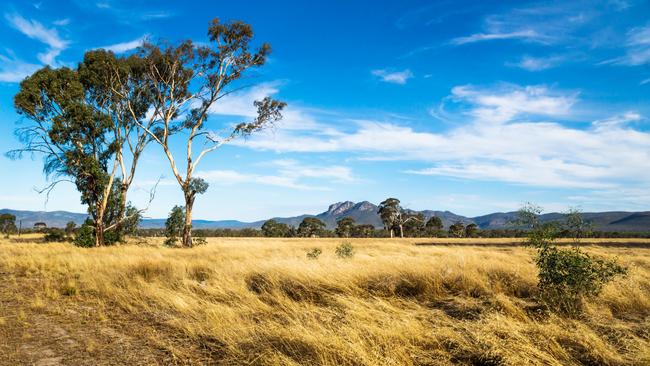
[457, 230]
[471, 230]
[7, 224]
[314, 253]
[55, 235]
[390, 212]
[274, 229]
[345, 227]
[345, 250]
[566, 276]
[434, 226]
[174, 225]
[85, 237]
[311, 227]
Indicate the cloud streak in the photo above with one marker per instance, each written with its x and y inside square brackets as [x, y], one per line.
[126, 46]
[35, 30]
[393, 77]
[290, 174]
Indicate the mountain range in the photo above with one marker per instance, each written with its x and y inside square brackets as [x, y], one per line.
[363, 213]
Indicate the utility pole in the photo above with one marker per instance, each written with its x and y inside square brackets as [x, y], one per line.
[20, 227]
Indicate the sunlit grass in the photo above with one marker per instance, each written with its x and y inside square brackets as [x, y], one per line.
[263, 301]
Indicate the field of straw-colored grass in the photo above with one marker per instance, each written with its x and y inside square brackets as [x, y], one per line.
[262, 301]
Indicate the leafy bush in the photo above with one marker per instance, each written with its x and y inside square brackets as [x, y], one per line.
[55, 235]
[566, 276]
[174, 226]
[85, 235]
[199, 240]
[314, 253]
[345, 250]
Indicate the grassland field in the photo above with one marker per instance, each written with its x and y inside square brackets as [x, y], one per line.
[261, 301]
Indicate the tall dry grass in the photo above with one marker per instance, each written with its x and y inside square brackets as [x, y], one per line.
[262, 301]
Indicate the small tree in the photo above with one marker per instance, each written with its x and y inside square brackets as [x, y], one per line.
[413, 224]
[345, 227]
[390, 212]
[274, 229]
[69, 229]
[457, 230]
[434, 226]
[566, 276]
[363, 231]
[174, 225]
[471, 230]
[7, 224]
[576, 226]
[311, 227]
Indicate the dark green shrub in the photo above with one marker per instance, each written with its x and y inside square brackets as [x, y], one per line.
[314, 253]
[345, 250]
[174, 226]
[85, 235]
[199, 240]
[566, 276]
[55, 235]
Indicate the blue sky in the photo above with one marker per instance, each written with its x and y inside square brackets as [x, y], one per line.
[472, 107]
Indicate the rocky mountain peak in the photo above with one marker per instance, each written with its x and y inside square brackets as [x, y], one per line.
[339, 208]
[365, 206]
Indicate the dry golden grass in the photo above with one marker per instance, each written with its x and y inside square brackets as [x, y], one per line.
[261, 301]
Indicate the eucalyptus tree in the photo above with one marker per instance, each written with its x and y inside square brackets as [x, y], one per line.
[274, 229]
[434, 226]
[393, 216]
[390, 213]
[187, 80]
[311, 227]
[78, 121]
[7, 224]
[457, 230]
[345, 227]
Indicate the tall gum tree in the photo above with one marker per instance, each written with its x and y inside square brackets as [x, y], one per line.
[82, 121]
[186, 81]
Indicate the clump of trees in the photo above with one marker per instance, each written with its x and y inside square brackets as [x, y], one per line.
[274, 229]
[92, 123]
[311, 227]
[567, 276]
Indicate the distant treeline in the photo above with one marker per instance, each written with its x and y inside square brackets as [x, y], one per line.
[379, 233]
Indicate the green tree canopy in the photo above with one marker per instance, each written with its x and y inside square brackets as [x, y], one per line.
[310, 227]
[7, 224]
[457, 230]
[345, 227]
[274, 229]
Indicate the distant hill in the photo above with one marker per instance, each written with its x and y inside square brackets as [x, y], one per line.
[363, 213]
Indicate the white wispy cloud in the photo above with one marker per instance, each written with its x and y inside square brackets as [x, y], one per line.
[527, 34]
[61, 22]
[126, 46]
[637, 48]
[35, 30]
[531, 63]
[393, 77]
[289, 174]
[13, 69]
[538, 23]
[505, 103]
[508, 138]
